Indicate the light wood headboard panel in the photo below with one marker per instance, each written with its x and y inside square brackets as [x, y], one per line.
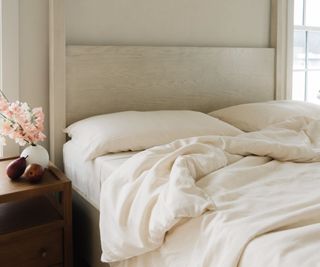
[104, 79]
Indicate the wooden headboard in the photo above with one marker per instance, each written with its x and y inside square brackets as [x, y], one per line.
[105, 79]
[90, 80]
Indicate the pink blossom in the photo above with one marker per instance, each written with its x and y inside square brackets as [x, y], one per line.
[20, 122]
[3, 104]
[6, 128]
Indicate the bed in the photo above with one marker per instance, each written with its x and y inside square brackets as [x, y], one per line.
[92, 80]
[235, 192]
[181, 78]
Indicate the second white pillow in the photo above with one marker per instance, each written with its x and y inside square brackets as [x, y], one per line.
[256, 116]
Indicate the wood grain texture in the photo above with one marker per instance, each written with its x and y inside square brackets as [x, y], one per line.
[67, 207]
[22, 189]
[33, 250]
[105, 79]
[26, 213]
[18, 215]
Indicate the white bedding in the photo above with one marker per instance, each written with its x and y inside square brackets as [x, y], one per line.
[87, 176]
[250, 200]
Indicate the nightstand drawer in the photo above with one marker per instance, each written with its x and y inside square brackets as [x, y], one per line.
[33, 250]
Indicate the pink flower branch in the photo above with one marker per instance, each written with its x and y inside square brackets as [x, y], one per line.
[20, 122]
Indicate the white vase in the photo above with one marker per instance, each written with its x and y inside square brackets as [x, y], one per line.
[36, 154]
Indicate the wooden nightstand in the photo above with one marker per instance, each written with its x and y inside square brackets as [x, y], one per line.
[35, 220]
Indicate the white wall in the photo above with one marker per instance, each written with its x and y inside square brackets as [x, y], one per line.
[242, 23]
[34, 55]
[25, 55]
[9, 54]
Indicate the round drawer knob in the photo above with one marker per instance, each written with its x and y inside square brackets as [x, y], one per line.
[43, 253]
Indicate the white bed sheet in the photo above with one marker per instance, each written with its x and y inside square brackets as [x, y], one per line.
[88, 176]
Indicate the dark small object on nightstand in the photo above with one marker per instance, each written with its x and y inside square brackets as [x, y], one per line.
[16, 168]
[34, 173]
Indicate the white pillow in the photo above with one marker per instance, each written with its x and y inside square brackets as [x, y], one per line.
[256, 116]
[133, 130]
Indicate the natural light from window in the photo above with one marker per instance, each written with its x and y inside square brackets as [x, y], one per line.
[306, 51]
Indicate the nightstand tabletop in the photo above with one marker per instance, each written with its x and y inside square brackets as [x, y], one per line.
[53, 181]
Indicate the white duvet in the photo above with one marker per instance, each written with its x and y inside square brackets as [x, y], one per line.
[250, 201]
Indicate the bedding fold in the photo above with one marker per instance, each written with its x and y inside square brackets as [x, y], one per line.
[207, 201]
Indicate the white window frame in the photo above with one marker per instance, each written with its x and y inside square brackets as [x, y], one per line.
[9, 63]
[307, 29]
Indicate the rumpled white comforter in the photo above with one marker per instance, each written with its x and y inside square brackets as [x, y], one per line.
[252, 200]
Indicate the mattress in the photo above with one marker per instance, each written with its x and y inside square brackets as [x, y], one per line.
[87, 176]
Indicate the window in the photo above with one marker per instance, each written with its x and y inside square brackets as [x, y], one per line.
[306, 51]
